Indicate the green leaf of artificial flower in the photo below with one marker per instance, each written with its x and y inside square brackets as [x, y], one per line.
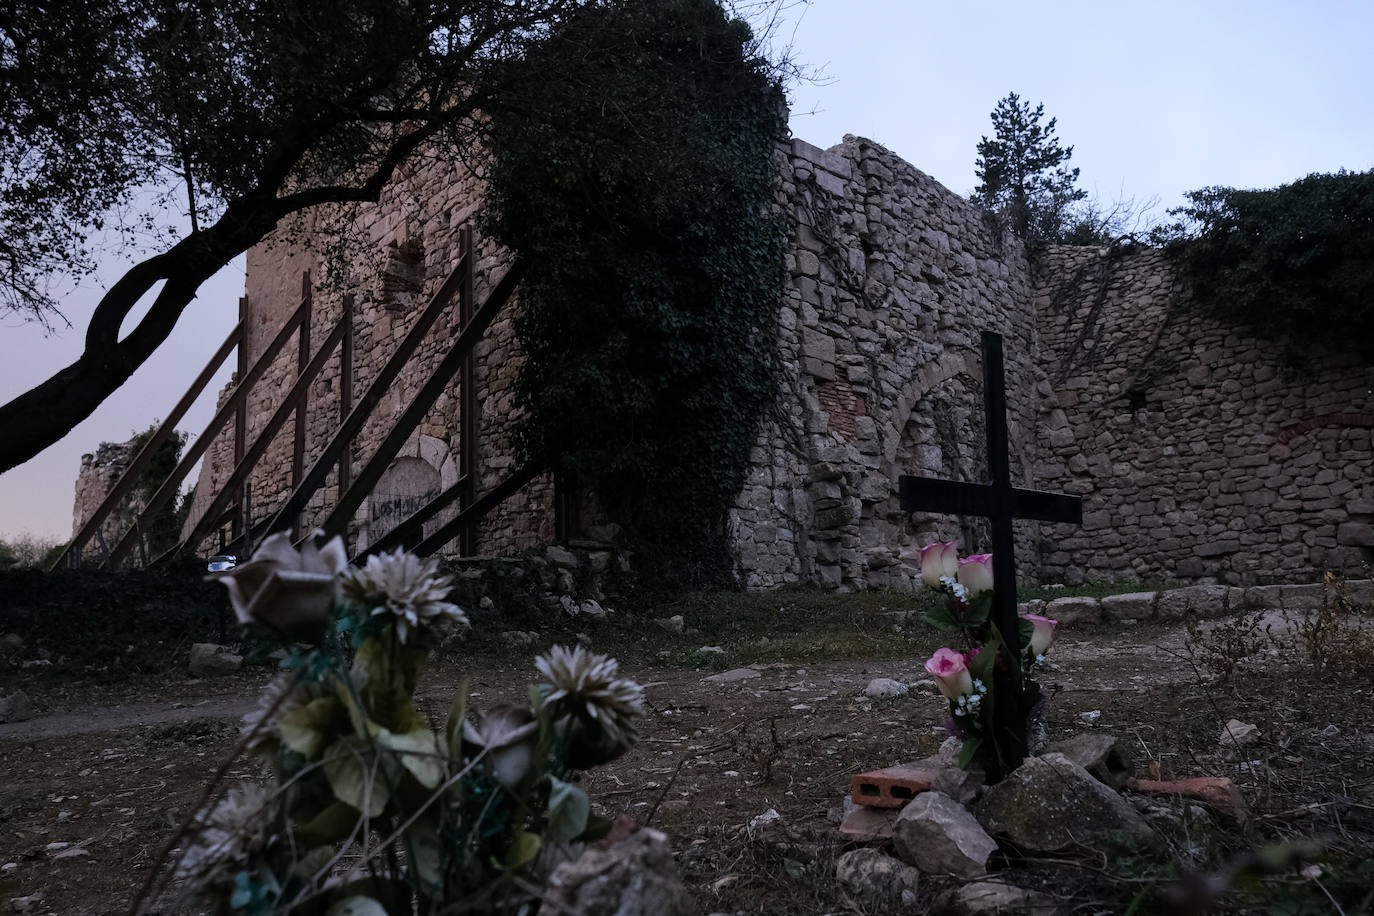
[331, 825]
[569, 809]
[311, 727]
[522, 851]
[419, 752]
[967, 753]
[348, 769]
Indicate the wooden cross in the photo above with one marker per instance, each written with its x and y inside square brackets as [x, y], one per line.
[1000, 502]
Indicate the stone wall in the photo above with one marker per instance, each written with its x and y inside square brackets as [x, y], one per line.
[99, 471]
[892, 279]
[399, 252]
[1198, 454]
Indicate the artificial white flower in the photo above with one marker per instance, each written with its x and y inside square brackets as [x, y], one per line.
[227, 836]
[584, 683]
[506, 734]
[287, 589]
[406, 587]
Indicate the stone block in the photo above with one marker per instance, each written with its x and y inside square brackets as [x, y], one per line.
[1050, 803]
[209, 660]
[1266, 596]
[1355, 534]
[1199, 600]
[868, 824]
[1100, 754]
[1130, 606]
[1076, 611]
[876, 878]
[17, 707]
[940, 837]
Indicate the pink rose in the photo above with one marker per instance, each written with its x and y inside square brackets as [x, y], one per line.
[950, 673]
[1043, 634]
[975, 573]
[938, 559]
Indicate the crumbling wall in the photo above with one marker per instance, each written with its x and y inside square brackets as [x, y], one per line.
[99, 472]
[396, 255]
[892, 280]
[1198, 454]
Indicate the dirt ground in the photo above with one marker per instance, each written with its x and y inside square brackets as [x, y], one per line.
[92, 787]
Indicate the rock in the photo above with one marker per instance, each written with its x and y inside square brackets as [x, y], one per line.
[12, 644]
[1074, 611]
[1050, 803]
[1090, 716]
[768, 819]
[1218, 792]
[876, 878]
[17, 707]
[733, 675]
[1236, 735]
[1100, 754]
[882, 688]
[867, 824]
[1131, 606]
[1197, 600]
[210, 660]
[634, 877]
[1001, 897]
[949, 751]
[715, 651]
[561, 556]
[673, 624]
[937, 835]
[592, 608]
[959, 784]
[518, 639]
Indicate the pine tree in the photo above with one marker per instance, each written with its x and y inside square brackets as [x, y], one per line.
[1023, 175]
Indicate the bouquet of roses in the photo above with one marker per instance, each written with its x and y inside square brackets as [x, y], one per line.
[988, 672]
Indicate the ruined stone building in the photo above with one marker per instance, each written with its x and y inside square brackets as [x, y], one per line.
[1197, 456]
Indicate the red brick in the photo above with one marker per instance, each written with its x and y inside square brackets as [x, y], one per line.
[892, 787]
[1216, 791]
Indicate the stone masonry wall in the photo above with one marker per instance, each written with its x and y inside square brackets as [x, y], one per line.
[892, 279]
[399, 252]
[1198, 454]
[99, 471]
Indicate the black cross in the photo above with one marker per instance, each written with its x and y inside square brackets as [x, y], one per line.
[1000, 502]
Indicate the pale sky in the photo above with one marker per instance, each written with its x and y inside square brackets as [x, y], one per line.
[1157, 99]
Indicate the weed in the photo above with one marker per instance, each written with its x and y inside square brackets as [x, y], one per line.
[1225, 646]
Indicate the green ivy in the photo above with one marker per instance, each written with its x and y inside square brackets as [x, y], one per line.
[639, 185]
[1295, 263]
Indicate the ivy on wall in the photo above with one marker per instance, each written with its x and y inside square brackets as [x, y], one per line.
[1296, 262]
[638, 185]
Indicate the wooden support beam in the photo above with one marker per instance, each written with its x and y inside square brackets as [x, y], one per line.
[471, 515]
[358, 416]
[294, 402]
[125, 483]
[414, 522]
[415, 410]
[236, 401]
